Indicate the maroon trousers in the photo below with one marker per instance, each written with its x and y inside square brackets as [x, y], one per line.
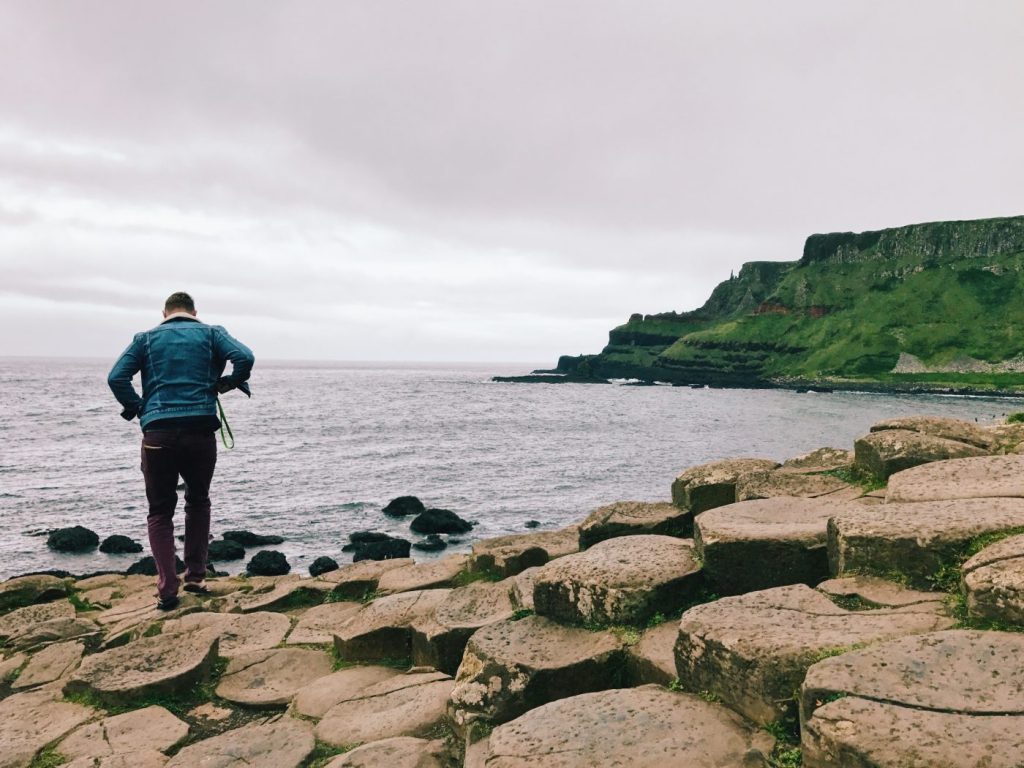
[166, 454]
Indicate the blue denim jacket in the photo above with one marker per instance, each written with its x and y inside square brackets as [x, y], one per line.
[181, 361]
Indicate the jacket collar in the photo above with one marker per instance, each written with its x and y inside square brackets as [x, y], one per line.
[179, 316]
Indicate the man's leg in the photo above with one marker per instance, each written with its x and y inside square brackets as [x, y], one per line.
[160, 470]
[198, 460]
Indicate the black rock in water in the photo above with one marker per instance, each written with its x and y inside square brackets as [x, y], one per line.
[403, 506]
[74, 539]
[322, 565]
[433, 543]
[361, 537]
[223, 549]
[147, 566]
[381, 550]
[119, 545]
[440, 521]
[531, 524]
[250, 539]
[268, 563]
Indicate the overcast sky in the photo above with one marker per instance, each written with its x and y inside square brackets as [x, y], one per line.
[474, 180]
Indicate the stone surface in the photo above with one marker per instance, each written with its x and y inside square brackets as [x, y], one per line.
[939, 426]
[625, 518]
[26, 590]
[765, 543]
[250, 539]
[942, 700]
[429, 575]
[10, 665]
[277, 593]
[152, 666]
[514, 666]
[397, 752]
[508, 555]
[322, 565]
[268, 562]
[143, 758]
[652, 660]
[51, 663]
[146, 566]
[885, 453]
[752, 651]
[404, 506]
[821, 460]
[382, 629]
[53, 631]
[916, 541]
[993, 582]
[119, 545]
[314, 699]
[74, 539]
[974, 478]
[439, 521]
[647, 727]
[878, 592]
[318, 624]
[283, 743]
[405, 705]
[389, 548]
[239, 633]
[712, 485]
[223, 550]
[431, 543]
[30, 721]
[270, 678]
[520, 588]
[353, 582]
[439, 638]
[21, 620]
[618, 581]
[151, 728]
[776, 482]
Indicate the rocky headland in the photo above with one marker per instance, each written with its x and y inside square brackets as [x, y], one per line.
[846, 608]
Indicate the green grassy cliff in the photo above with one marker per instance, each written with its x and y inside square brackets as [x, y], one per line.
[935, 306]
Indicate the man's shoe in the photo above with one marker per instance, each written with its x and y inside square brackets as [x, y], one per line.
[167, 603]
[196, 587]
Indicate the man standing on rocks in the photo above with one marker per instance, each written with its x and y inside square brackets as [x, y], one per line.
[182, 361]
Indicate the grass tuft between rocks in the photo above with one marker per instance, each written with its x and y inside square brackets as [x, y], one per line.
[857, 477]
[323, 753]
[787, 752]
[465, 577]
[947, 578]
[48, 758]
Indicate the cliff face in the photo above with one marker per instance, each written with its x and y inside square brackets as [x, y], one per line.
[850, 307]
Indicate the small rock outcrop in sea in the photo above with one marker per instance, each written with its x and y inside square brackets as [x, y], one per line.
[404, 506]
[250, 539]
[224, 549]
[73, 539]
[322, 565]
[119, 545]
[268, 563]
[147, 566]
[439, 521]
[432, 543]
[387, 548]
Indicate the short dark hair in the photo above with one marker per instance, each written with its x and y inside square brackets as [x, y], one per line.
[179, 300]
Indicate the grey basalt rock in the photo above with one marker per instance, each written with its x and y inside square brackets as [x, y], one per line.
[652, 659]
[150, 728]
[776, 482]
[382, 629]
[24, 619]
[971, 478]
[619, 581]
[314, 699]
[943, 700]
[27, 590]
[993, 582]
[941, 426]
[433, 574]
[355, 581]
[50, 664]
[881, 454]
[820, 460]
[919, 541]
[506, 556]
[29, 721]
[317, 625]
[752, 651]
[646, 727]
[268, 562]
[626, 518]
[238, 633]
[119, 545]
[270, 678]
[282, 743]
[396, 752]
[711, 485]
[74, 539]
[876, 592]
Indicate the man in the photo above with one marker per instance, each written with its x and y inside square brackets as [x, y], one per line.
[181, 361]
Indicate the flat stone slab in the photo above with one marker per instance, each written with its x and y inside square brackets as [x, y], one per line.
[885, 453]
[397, 752]
[647, 727]
[752, 651]
[941, 426]
[975, 478]
[943, 700]
[143, 758]
[628, 518]
[382, 630]
[24, 619]
[707, 486]
[821, 460]
[283, 743]
[317, 625]
[151, 728]
[29, 721]
[879, 593]
[439, 638]
[27, 590]
[11, 664]
[271, 678]
[239, 633]
[993, 582]
[506, 556]
[514, 666]
[53, 631]
[313, 700]
[52, 663]
[285, 591]
[776, 482]
[653, 660]
[618, 581]
[432, 574]
[406, 705]
[151, 666]
[915, 541]
[355, 581]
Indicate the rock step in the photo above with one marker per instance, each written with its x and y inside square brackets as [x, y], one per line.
[628, 518]
[506, 556]
[271, 678]
[993, 582]
[282, 743]
[382, 629]
[881, 454]
[973, 478]
[711, 485]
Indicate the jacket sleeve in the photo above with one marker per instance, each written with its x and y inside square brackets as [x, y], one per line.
[241, 357]
[120, 379]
